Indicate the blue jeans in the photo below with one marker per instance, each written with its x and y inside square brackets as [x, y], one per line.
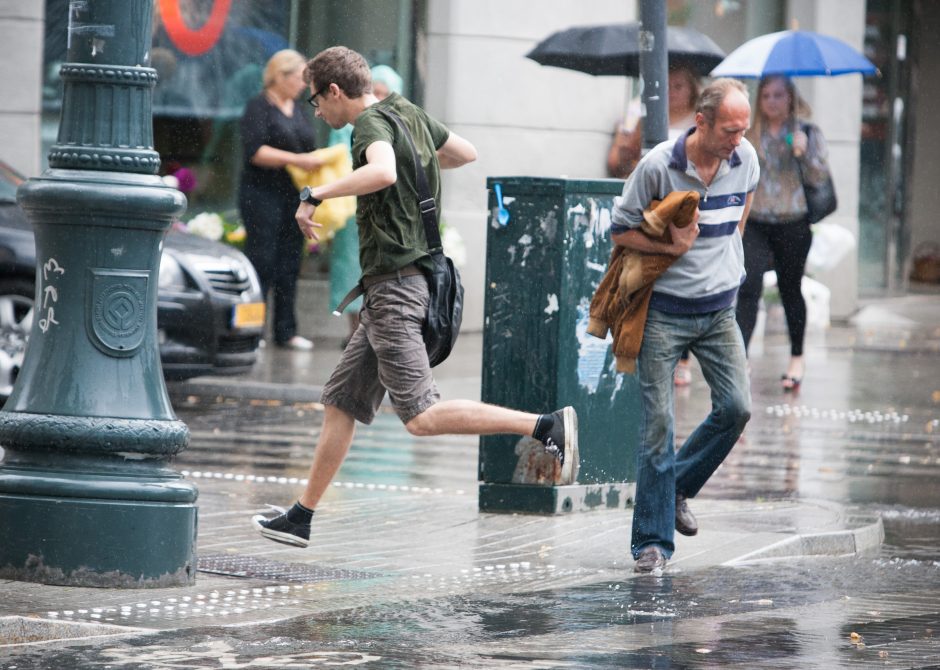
[716, 341]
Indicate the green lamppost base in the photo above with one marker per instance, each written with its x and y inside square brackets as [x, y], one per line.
[86, 495]
[74, 514]
[160, 530]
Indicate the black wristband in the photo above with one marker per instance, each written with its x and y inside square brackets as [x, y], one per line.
[306, 195]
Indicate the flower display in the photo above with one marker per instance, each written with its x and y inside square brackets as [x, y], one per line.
[207, 224]
[235, 236]
[185, 180]
[214, 226]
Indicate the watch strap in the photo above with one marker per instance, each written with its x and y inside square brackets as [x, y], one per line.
[309, 198]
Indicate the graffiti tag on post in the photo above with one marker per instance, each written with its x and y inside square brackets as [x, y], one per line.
[49, 294]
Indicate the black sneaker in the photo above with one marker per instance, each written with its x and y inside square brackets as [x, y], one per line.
[279, 529]
[562, 443]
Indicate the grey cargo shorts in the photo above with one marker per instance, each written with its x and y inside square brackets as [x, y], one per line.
[386, 353]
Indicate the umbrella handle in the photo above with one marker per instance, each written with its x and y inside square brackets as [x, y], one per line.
[789, 138]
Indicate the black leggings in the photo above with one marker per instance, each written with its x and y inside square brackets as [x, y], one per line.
[782, 247]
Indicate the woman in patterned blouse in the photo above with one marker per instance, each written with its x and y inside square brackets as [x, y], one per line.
[778, 233]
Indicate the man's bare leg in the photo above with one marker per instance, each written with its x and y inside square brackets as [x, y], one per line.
[558, 432]
[468, 417]
[332, 446]
[293, 526]
[451, 417]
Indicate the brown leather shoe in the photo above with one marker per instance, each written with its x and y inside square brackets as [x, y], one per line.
[650, 559]
[685, 520]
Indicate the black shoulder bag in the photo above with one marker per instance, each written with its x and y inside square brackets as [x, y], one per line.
[821, 198]
[445, 311]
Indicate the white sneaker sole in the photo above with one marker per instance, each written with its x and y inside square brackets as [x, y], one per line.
[278, 536]
[569, 471]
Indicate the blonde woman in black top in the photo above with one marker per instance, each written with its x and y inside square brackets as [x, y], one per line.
[276, 133]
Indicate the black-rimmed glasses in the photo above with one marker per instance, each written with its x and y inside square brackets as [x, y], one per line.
[312, 100]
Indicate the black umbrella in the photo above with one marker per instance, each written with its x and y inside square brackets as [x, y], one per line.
[615, 49]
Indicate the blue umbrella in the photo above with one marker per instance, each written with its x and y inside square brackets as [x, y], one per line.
[794, 53]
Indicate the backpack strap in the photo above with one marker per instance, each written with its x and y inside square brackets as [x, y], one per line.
[426, 202]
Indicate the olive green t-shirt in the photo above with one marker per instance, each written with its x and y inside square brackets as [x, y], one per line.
[391, 234]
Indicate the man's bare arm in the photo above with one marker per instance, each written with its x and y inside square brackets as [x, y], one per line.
[379, 172]
[456, 151]
[747, 211]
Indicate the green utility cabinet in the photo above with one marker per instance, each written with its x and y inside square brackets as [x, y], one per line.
[542, 268]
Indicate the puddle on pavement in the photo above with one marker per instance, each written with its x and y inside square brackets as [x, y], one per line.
[780, 616]
[911, 534]
[757, 616]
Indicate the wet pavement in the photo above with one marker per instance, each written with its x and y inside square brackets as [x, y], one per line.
[405, 572]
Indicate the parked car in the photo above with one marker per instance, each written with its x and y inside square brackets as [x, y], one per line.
[210, 313]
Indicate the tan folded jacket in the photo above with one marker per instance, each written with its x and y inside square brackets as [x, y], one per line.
[622, 299]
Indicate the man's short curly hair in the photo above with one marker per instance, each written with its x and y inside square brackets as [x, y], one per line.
[341, 66]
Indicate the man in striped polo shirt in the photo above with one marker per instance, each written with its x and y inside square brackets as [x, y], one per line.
[693, 307]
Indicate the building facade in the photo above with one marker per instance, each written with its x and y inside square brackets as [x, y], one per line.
[21, 39]
[465, 61]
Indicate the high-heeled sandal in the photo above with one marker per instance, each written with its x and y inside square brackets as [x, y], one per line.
[790, 384]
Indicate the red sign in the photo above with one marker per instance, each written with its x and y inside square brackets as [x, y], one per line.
[199, 41]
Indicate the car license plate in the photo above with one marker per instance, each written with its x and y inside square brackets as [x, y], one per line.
[248, 315]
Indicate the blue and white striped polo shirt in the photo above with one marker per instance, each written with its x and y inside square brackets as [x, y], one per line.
[707, 277]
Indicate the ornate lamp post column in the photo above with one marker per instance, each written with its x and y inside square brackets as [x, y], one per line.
[86, 497]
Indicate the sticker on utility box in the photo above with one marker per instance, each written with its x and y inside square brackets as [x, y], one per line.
[593, 352]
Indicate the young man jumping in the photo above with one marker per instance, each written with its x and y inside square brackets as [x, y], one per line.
[387, 351]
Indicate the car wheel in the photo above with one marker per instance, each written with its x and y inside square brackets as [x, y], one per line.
[16, 320]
